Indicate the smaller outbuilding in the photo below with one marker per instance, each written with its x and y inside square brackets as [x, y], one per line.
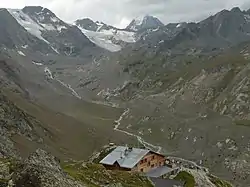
[162, 172]
[158, 182]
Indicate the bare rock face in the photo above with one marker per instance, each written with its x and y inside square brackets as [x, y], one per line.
[147, 22]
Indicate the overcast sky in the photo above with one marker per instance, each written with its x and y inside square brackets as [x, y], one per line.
[121, 12]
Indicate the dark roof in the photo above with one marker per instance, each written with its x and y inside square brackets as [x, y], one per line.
[166, 182]
[160, 171]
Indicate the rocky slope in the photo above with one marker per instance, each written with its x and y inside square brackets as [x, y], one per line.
[38, 29]
[187, 85]
[182, 88]
[41, 169]
[199, 106]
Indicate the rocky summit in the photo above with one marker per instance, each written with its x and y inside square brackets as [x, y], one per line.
[70, 89]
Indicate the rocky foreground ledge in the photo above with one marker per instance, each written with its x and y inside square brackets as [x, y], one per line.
[41, 169]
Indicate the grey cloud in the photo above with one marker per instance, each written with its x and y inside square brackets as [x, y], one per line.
[120, 12]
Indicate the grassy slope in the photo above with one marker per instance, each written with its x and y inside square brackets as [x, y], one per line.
[77, 131]
[218, 182]
[95, 175]
[187, 178]
[190, 180]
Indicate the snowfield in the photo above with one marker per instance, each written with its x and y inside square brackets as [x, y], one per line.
[21, 53]
[37, 63]
[125, 36]
[35, 27]
[103, 38]
[25, 21]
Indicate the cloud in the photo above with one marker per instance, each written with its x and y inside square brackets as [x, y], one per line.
[121, 12]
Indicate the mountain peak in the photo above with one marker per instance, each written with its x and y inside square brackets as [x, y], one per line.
[97, 26]
[35, 9]
[146, 22]
[42, 15]
[236, 10]
[248, 11]
[87, 24]
[38, 10]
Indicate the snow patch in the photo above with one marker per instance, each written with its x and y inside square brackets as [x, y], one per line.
[70, 88]
[129, 126]
[233, 148]
[247, 18]
[48, 27]
[101, 40]
[100, 25]
[54, 19]
[48, 73]
[179, 25]
[54, 49]
[141, 133]
[60, 27]
[125, 36]
[150, 131]
[219, 144]
[227, 141]
[21, 53]
[139, 21]
[154, 30]
[36, 63]
[25, 46]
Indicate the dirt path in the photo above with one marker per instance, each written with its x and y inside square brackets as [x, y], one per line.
[139, 138]
[189, 164]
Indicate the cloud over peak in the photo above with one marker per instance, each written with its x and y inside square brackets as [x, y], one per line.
[121, 12]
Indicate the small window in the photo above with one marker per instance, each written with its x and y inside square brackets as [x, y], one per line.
[152, 165]
[146, 160]
[153, 157]
[148, 163]
[141, 169]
